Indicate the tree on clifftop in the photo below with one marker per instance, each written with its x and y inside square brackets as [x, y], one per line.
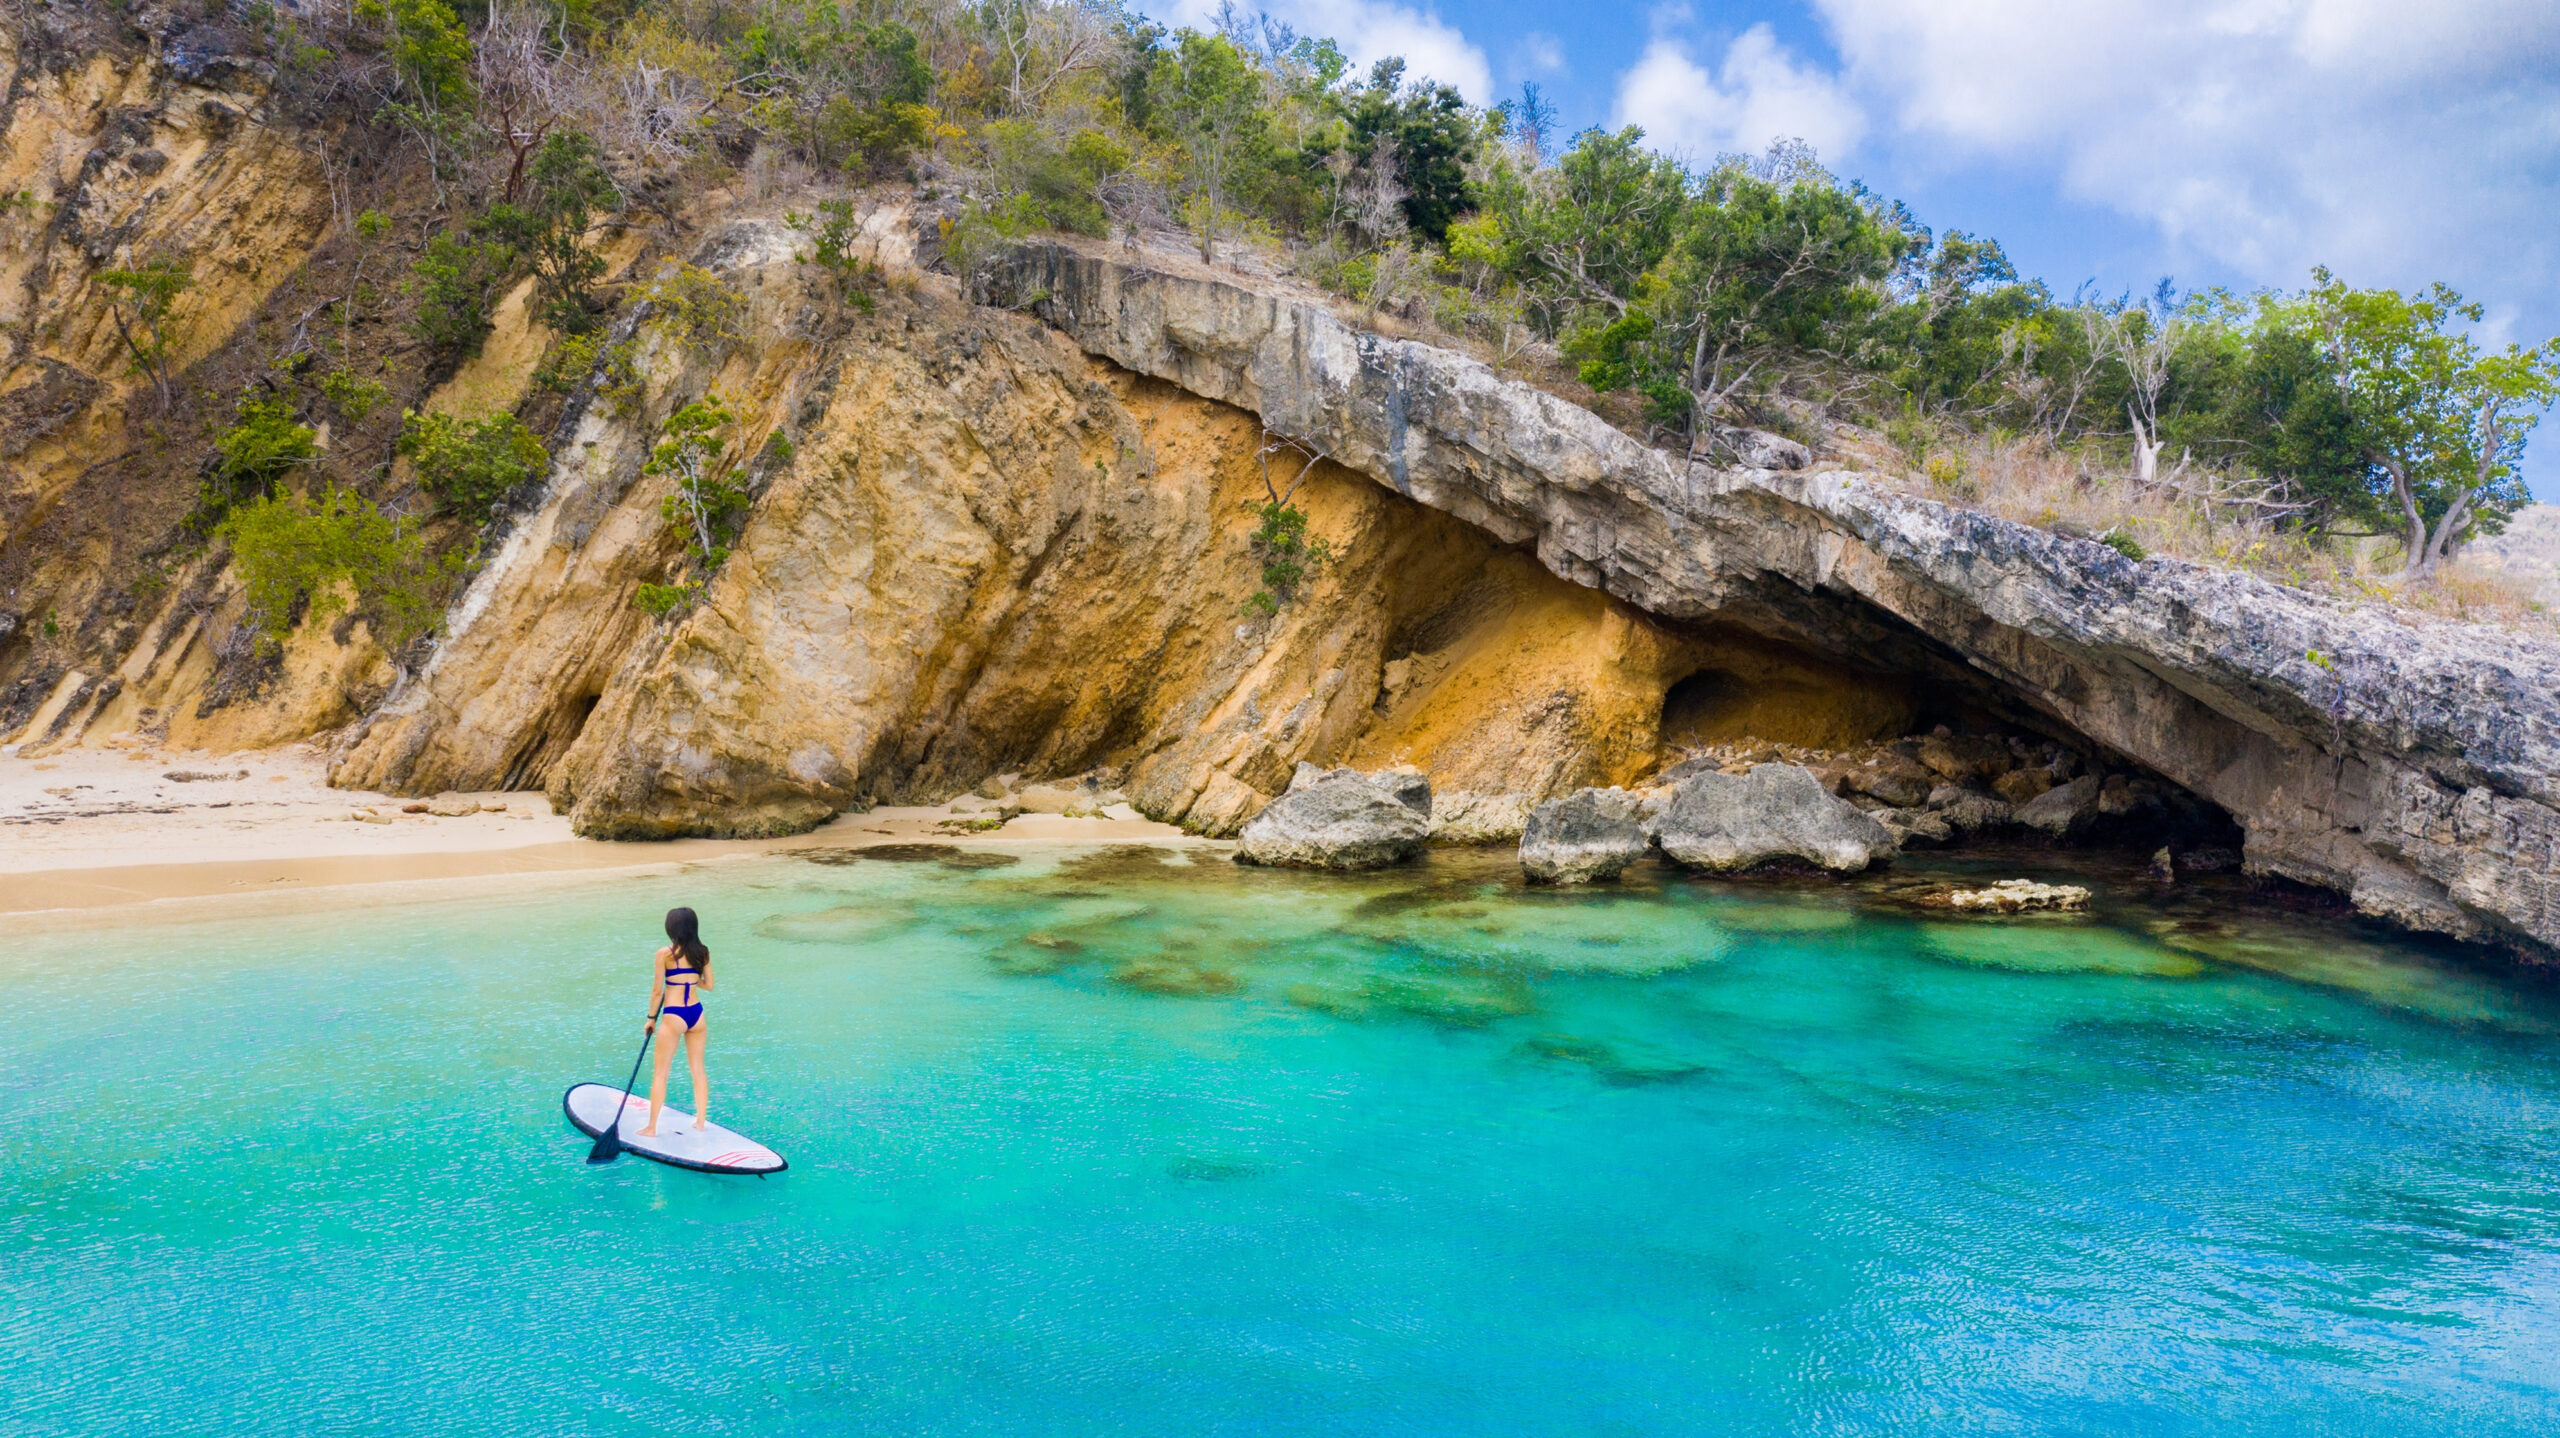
[1211, 100]
[2445, 420]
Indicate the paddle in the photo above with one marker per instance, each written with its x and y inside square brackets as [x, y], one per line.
[609, 1143]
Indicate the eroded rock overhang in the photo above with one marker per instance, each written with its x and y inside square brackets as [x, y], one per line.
[2415, 769]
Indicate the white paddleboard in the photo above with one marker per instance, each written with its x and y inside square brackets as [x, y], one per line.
[709, 1149]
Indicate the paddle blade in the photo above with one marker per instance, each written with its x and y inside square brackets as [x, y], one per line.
[608, 1145]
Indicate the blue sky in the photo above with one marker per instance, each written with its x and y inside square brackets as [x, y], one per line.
[2214, 142]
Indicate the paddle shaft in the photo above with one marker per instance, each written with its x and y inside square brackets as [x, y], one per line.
[609, 1142]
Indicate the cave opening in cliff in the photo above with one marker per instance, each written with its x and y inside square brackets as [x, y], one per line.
[552, 741]
[1945, 761]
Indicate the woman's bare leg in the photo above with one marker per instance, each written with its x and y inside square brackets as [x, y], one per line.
[701, 1081]
[668, 1028]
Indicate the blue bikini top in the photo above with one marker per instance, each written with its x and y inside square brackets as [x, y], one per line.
[681, 972]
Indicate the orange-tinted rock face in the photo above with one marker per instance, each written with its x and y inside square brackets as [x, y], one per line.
[989, 552]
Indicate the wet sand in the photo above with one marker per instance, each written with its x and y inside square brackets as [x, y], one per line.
[96, 828]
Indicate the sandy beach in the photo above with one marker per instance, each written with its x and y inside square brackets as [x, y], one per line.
[93, 828]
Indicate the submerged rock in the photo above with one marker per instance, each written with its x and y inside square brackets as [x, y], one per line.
[1722, 823]
[1591, 834]
[1341, 819]
[2018, 896]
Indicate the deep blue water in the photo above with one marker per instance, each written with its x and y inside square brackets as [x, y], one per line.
[1103, 1144]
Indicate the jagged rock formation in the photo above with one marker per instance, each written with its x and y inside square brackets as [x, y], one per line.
[1340, 819]
[2415, 769]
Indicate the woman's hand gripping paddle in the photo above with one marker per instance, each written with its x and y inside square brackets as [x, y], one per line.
[609, 1142]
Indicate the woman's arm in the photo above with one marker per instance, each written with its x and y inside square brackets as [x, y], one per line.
[705, 966]
[657, 986]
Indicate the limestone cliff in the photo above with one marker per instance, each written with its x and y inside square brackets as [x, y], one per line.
[2416, 769]
[988, 551]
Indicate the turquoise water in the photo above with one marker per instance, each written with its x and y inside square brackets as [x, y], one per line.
[1115, 1143]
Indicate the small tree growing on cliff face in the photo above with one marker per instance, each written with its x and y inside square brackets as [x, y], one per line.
[693, 451]
[149, 290]
[570, 184]
[430, 55]
[833, 231]
[1280, 541]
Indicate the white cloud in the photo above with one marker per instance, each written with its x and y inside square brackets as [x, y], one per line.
[1368, 31]
[2393, 141]
[1537, 53]
[1759, 93]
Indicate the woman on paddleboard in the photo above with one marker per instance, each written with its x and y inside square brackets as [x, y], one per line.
[679, 976]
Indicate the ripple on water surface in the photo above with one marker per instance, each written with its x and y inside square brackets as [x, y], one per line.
[1133, 1139]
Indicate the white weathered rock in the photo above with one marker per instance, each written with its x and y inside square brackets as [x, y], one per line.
[2013, 896]
[1587, 835]
[1721, 823]
[1340, 819]
[1759, 449]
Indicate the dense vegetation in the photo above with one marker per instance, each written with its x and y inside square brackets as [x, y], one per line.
[1757, 291]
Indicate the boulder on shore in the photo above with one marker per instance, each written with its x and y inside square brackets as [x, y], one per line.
[1589, 834]
[1722, 823]
[1341, 819]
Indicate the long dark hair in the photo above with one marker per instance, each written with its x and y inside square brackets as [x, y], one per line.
[684, 934]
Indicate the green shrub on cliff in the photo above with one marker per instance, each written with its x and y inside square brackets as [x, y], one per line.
[696, 307]
[1280, 542]
[704, 503]
[354, 395]
[458, 279]
[300, 558]
[259, 448]
[469, 465]
[832, 231]
[612, 367]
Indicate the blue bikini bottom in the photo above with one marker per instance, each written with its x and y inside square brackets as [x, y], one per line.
[690, 1013]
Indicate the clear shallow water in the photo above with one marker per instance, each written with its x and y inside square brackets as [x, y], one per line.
[1103, 1144]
